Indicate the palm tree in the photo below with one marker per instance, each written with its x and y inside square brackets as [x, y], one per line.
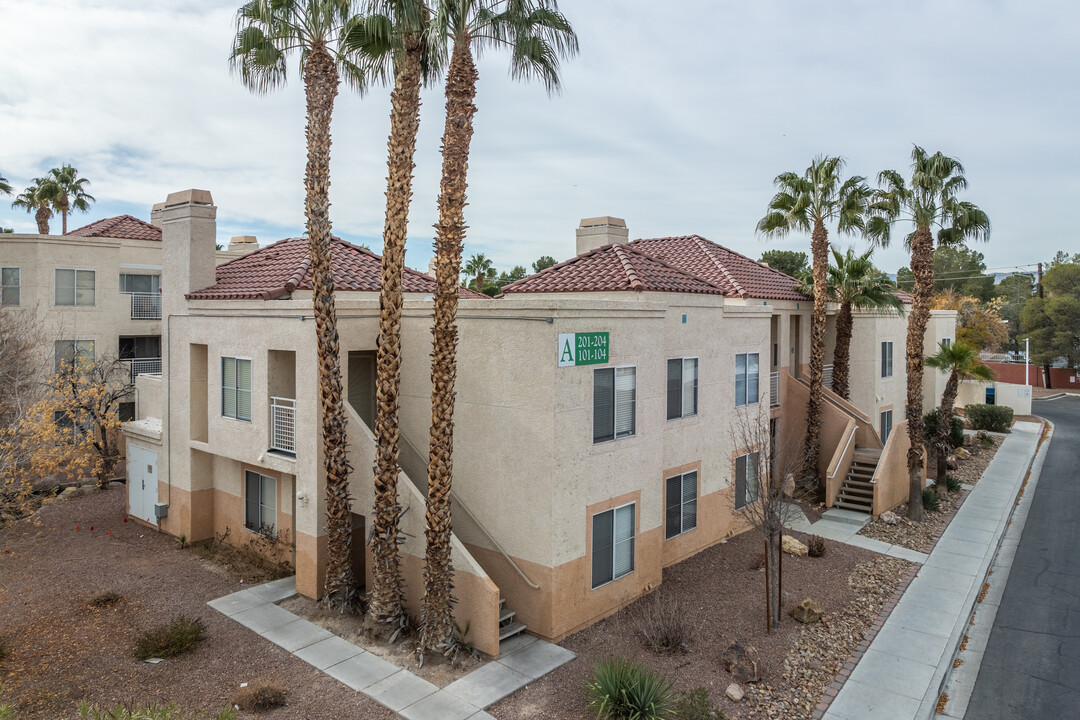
[392, 41]
[538, 36]
[40, 198]
[72, 193]
[960, 362]
[806, 203]
[479, 267]
[268, 31]
[928, 203]
[5, 186]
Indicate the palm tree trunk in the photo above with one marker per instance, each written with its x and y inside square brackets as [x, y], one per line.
[388, 588]
[819, 246]
[922, 265]
[437, 623]
[842, 352]
[42, 217]
[948, 400]
[64, 211]
[320, 85]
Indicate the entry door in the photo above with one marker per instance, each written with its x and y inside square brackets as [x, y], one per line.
[142, 483]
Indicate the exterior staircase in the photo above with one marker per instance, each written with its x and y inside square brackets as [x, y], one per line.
[508, 626]
[857, 492]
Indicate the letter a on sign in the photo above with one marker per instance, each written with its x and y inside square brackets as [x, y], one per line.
[567, 349]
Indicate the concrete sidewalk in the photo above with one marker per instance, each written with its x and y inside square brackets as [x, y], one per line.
[901, 674]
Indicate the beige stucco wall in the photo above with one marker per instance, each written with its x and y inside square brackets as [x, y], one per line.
[942, 325]
[870, 392]
[1018, 397]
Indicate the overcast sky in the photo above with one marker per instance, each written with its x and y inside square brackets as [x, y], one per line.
[675, 116]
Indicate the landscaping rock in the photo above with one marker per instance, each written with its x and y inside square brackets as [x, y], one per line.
[793, 547]
[962, 454]
[809, 610]
[116, 484]
[734, 692]
[740, 659]
[952, 462]
[71, 492]
[789, 485]
[889, 517]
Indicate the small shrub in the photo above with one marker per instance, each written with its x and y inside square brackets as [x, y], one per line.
[663, 623]
[6, 713]
[696, 705]
[175, 638]
[995, 418]
[259, 697]
[985, 439]
[929, 499]
[106, 599]
[930, 428]
[815, 546]
[952, 483]
[622, 689]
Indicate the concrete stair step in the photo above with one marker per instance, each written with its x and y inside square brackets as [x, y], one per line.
[505, 616]
[859, 482]
[853, 507]
[872, 454]
[502, 602]
[511, 630]
[860, 491]
[857, 516]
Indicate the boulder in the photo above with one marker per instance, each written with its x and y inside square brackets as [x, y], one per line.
[793, 547]
[809, 610]
[951, 461]
[889, 517]
[71, 492]
[734, 692]
[789, 485]
[740, 659]
[962, 453]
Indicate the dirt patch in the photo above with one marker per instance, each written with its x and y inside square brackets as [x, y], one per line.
[436, 670]
[724, 600]
[62, 649]
[246, 559]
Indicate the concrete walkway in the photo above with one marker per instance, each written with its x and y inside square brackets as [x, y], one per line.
[901, 675]
[522, 659]
[844, 526]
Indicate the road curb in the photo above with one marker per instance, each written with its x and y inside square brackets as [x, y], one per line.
[928, 708]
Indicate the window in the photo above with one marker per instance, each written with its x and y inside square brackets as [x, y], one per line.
[886, 359]
[10, 286]
[746, 479]
[885, 426]
[126, 411]
[681, 387]
[613, 544]
[260, 502]
[236, 388]
[680, 504]
[67, 353]
[614, 401]
[946, 341]
[746, 379]
[75, 287]
[133, 283]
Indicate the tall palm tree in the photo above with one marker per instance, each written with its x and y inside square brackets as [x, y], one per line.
[929, 203]
[71, 195]
[538, 36]
[959, 362]
[5, 186]
[479, 267]
[391, 41]
[40, 198]
[806, 203]
[268, 32]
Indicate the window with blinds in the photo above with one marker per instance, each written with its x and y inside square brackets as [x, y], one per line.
[680, 504]
[67, 354]
[614, 403]
[139, 283]
[885, 425]
[746, 479]
[260, 502]
[613, 544]
[886, 359]
[236, 388]
[746, 379]
[10, 286]
[682, 387]
[74, 287]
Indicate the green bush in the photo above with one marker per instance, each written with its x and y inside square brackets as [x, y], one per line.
[696, 705]
[952, 483]
[930, 428]
[929, 499]
[995, 418]
[622, 689]
[167, 640]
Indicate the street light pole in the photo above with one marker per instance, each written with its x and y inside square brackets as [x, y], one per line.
[1027, 359]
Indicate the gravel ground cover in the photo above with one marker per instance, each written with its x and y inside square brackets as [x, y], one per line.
[723, 596]
[63, 650]
[921, 536]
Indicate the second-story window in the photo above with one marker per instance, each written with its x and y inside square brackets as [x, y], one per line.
[614, 403]
[886, 359]
[682, 387]
[746, 379]
[10, 286]
[68, 354]
[139, 283]
[236, 388]
[75, 287]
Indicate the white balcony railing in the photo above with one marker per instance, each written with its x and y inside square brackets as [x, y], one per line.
[145, 306]
[826, 376]
[774, 389]
[143, 366]
[283, 425]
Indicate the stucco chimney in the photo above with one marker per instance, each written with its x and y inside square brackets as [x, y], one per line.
[188, 239]
[155, 214]
[244, 244]
[599, 231]
[431, 267]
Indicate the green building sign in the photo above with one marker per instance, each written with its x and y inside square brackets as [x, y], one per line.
[590, 348]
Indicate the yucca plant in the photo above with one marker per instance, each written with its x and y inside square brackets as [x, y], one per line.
[622, 689]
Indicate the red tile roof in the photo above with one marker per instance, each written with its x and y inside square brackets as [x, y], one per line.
[125, 227]
[613, 268]
[279, 269]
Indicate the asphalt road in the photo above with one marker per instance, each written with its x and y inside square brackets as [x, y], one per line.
[1031, 669]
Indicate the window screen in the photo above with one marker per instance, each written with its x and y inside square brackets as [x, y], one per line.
[236, 388]
[614, 403]
[680, 514]
[682, 387]
[10, 286]
[612, 544]
[746, 379]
